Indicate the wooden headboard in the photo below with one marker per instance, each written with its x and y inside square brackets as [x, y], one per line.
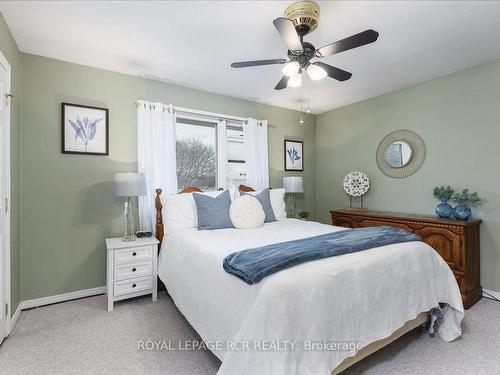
[191, 189]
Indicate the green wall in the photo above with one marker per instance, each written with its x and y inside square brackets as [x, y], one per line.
[9, 49]
[67, 203]
[458, 116]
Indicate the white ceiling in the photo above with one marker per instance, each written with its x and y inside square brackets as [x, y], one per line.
[192, 43]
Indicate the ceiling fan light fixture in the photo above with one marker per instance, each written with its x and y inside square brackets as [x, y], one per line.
[300, 19]
[291, 68]
[315, 72]
[295, 80]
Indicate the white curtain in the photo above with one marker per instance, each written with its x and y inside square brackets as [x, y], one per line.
[256, 154]
[156, 156]
[221, 154]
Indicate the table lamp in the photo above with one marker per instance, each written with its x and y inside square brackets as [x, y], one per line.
[129, 185]
[293, 185]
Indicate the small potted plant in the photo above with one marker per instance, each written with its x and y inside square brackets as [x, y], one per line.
[443, 194]
[464, 200]
[303, 215]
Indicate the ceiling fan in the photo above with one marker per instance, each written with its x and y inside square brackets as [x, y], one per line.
[300, 19]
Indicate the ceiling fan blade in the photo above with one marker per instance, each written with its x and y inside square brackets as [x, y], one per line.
[354, 41]
[282, 83]
[288, 34]
[333, 72]
[245, 64]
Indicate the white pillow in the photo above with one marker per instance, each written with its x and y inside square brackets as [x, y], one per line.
[179, 210]
[278, 203]
[277, 197]
[246, 212]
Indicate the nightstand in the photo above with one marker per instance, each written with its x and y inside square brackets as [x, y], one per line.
[132, 268]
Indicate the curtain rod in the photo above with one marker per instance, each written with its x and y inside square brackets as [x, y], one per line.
[189, 111]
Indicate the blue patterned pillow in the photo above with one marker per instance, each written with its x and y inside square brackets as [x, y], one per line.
[213, 213]
[264, 198]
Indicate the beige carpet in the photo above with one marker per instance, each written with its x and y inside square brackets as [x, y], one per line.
[81, 337]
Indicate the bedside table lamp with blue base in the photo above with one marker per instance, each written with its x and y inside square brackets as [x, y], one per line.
[129, 185]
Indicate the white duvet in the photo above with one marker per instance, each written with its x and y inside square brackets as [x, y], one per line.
[354, 298]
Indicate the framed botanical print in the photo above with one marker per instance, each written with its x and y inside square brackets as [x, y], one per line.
[294, 155]
[85, 129]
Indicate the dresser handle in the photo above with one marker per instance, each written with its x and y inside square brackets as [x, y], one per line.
[133, 269]
[134, 254]
[134, 285]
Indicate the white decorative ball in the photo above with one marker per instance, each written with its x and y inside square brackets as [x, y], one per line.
[246, 212]
[356, 184]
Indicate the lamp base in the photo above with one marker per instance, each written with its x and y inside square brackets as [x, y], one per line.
[129, 238]
[292, 201]
[128, 232]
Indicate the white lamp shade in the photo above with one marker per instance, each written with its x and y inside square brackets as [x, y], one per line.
[295, 80]
[129, 184]
[293, 184]
[291, 68]
[316, 72]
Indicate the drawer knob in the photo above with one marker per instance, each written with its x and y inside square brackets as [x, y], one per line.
[134, 254]
[133, 269]
[134, 285]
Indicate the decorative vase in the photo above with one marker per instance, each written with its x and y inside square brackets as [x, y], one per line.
[444, 210]
[462, 212]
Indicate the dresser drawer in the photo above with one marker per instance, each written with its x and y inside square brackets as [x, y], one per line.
[133, 255]
[132, 286]
[446, 243]
[341, 221]
[375, 223]
[126, 271]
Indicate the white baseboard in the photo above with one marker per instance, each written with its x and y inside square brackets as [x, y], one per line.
[37, 302]
[13, 320]
[492, 293]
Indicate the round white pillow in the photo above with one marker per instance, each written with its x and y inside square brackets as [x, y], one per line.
[246, 212]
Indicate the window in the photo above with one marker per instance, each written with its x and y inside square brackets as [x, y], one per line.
[196, 152]
[210, 154]
[236, 172]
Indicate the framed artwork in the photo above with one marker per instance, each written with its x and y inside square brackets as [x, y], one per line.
[85, 129]
[294, 155]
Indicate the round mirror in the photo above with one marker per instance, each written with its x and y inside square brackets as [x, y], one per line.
[398, 154]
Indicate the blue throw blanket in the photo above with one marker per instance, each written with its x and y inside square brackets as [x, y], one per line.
[253, 265]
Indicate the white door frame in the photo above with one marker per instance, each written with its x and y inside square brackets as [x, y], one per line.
[5, 200]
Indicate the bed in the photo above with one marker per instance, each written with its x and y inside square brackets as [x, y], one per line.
[319, 317]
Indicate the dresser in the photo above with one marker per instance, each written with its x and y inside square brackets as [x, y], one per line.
[131, 268]
[456, 241]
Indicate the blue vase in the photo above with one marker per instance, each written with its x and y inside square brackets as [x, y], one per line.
[444, 209]
[462, 212]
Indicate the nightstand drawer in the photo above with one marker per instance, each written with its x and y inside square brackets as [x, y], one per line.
[126, 271]
[132, 286]
[133, 255]
[131, 269]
